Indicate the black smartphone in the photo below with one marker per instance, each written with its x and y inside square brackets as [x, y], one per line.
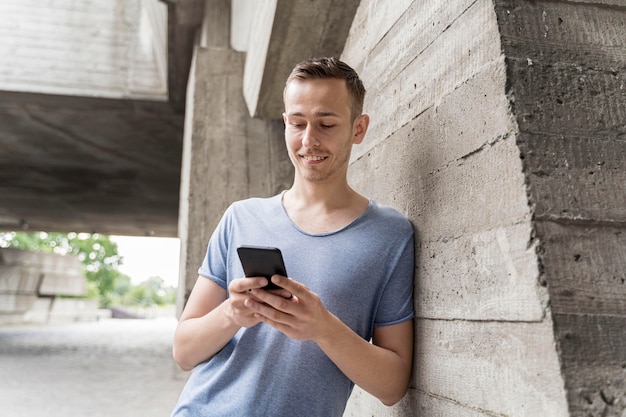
[262, 261]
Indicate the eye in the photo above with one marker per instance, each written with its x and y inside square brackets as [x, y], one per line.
[326, 126]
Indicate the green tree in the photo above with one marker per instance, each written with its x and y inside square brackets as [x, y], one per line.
[100, 261]
[122, 285]
[151, 292]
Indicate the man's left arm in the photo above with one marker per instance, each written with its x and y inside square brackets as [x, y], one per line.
[382, 368]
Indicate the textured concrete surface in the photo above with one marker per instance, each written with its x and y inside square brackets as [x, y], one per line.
[497, 127]
[566, 73]
[86, 164]
[119, 368]
[277, 42]
[226, 157]
[88, 139]
[29, 281]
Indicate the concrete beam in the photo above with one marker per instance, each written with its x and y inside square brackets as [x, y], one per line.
[89, 165]
[283, 33]
[111, 49]
[184, 19]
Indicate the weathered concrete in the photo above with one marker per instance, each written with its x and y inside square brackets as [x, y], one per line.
[72, 164]
[498, 129]
[102, 49]
[30, 281]
[455, 130]
[227, 155]
[283, 33]
[184, 18]
[90, 135]
[442, 146]
[566, 66]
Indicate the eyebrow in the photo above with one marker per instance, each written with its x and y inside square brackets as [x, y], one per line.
[318, 114]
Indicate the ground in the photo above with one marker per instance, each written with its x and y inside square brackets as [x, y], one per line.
[112, 367]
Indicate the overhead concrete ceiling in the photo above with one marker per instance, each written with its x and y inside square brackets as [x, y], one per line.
[92, 159]
[83, 164]
[110, 162]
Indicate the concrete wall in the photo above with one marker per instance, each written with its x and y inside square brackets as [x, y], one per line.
[498, 129]
[30, 281]
[442, 149]
[566, 68]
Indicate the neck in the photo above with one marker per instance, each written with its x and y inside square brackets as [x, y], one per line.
[322, 194]
[319, 208]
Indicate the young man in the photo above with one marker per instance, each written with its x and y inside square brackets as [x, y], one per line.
[299, 350]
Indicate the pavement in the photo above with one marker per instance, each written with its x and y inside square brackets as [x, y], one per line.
[106, 368]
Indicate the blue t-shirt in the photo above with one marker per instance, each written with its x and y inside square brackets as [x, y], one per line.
[363, 273]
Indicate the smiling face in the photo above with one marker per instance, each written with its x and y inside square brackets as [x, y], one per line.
[319, 131]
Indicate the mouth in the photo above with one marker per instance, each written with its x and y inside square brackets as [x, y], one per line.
[313, 158]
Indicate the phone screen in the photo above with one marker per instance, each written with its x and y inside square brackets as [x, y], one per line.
[262, 261]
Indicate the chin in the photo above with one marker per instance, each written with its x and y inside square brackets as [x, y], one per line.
[313, 176]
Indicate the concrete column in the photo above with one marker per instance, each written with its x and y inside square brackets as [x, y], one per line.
[227, 155]
[567, 85]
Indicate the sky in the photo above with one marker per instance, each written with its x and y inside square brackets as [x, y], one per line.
[146, 257]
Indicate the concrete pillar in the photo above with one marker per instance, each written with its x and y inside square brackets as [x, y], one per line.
[567, 84]
[227, 155]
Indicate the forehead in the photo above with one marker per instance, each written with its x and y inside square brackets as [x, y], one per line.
[317, 95]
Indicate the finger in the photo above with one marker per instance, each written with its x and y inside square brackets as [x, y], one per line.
[247, 284]
[294, 287]
[279, 320]
[282, 292]
[265, 311]
[276, 301]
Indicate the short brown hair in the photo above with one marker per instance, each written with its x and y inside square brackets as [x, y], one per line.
[329, 67]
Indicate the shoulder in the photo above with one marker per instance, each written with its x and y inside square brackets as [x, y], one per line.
[254, 205]
[386, 223]
[389, 216]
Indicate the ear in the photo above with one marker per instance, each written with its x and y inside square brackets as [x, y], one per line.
[359, 128]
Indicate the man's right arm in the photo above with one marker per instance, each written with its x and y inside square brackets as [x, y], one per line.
[210, 319]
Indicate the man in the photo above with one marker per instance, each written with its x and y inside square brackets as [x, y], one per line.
[299, 350]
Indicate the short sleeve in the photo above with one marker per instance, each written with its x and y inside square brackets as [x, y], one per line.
[214, 266]
[396, 304]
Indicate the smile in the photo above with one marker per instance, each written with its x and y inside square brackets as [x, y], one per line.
[313, 158]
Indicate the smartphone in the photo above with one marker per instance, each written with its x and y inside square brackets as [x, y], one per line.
[262, 261]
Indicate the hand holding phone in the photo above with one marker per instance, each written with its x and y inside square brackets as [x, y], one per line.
[262, 261]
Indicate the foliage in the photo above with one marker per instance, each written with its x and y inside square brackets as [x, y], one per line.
[152, 292]
[100, 261]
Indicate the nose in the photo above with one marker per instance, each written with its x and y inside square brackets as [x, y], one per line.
[309, 139]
